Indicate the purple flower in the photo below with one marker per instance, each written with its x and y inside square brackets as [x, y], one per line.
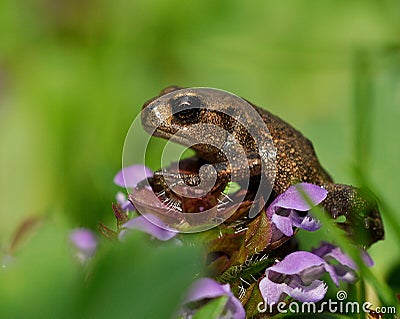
[130, 176]
[344, 266]
[296, 276]
[85, 243]
[206, 288]
[148, 225]
[290, 209]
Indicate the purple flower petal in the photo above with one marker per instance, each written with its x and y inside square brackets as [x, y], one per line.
[206, 288]
[84, 239]
[307, 222]
[306, 265]
[271, 291]
[311, 293]
[345, 274]
[124, 203]
[293, 198]
[85, 242]
[130, 176]
[345, 270]
[235, 308]
[144, 224]
[366, 258]
[329, 251]
[297, 262]
[284, 224]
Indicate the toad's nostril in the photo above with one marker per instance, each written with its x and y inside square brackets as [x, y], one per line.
[152, 118]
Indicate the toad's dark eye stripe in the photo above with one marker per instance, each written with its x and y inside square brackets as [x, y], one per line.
[186, 108]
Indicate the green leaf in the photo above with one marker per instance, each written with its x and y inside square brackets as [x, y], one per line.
[228, 246]
[231, 188]
[213, 309]
[251, 299]
[258, 234]
[139, 278]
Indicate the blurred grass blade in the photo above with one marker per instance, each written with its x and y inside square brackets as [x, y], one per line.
[363, 99]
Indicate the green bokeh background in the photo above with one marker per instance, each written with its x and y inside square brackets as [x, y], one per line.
[74, 74]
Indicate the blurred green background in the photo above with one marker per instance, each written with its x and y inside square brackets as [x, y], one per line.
[74, 74]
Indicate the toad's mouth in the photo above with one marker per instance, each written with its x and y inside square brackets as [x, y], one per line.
[165, 133]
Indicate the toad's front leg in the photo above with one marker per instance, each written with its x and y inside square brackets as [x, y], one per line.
[205, 178]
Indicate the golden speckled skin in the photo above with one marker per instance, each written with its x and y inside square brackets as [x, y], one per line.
[296, 162]
[296, 159]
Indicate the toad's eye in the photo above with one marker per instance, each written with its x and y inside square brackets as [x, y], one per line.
[186, 108]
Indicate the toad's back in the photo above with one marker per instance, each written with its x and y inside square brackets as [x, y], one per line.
[296, 159]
